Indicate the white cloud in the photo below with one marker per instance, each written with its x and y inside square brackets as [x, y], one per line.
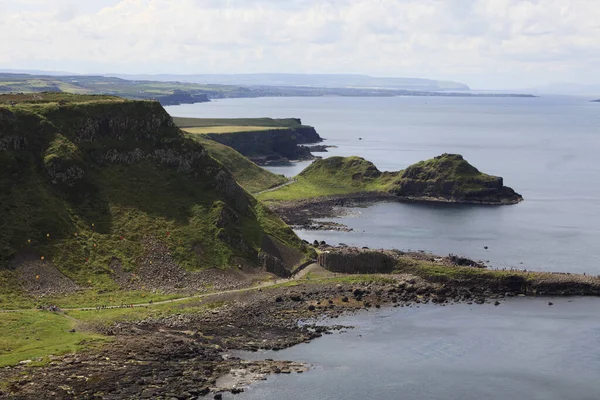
[487, 43]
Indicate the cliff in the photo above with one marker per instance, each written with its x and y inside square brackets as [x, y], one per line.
[249, 175]
[181, 97]
[446, 178]
[98, 187]
[263, 140]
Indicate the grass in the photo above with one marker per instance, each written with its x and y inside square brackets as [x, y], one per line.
[252, 177]
[34, 335]
[448, 176]
[37, 335]
[333, 176]
[227, 129]
[238, 122]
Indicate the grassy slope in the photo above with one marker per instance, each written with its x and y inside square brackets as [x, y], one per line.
[113, 209]
[345, 175]
[252, 177]
[333, 176]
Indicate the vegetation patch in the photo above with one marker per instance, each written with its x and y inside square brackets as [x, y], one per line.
[445, 178]
[32, 336]
[89, 182]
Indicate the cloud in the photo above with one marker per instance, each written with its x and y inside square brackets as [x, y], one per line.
[487, 43]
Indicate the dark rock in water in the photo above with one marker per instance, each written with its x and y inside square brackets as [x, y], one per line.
[496, 303]
[218, 396]
[550, 303]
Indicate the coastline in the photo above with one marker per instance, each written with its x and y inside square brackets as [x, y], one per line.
[183, 353]
[301, 214]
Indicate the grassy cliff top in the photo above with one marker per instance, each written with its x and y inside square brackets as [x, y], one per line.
[231, 122]
[444, 167]
[27, 99]
[202, 130]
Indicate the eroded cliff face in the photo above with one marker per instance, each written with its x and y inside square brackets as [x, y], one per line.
[275, 145]
[110, 174]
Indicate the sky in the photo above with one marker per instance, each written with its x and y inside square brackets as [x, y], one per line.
[488, 44]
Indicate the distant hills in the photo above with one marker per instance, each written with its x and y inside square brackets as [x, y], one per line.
[313, 80]
[188, 89]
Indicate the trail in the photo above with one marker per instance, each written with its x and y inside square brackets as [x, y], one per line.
[297, 276]
[276, 187]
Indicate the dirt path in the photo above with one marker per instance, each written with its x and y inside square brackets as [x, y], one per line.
[276, 187]
[300, 275]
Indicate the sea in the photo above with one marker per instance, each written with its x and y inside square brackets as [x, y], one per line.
[548, 150]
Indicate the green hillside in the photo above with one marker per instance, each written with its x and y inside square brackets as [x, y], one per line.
[448, 177]
[97, 186]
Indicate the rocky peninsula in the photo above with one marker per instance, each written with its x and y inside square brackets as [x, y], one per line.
[328, 185]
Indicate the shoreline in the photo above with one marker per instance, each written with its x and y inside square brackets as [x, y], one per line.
[183, 354]
[301, 214]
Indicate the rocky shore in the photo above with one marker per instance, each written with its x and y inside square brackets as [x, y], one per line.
[186, 354]
[301, 214]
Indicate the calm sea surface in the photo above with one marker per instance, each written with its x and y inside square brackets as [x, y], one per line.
[548, 150]
[520, 350]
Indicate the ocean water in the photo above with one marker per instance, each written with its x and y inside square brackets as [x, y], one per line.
[546, 148]
[522, 349]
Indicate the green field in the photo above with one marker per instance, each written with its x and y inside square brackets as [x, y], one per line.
[34, 335]
[227, 129]
[212, 122]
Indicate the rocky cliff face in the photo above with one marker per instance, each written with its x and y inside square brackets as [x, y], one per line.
[274, 145]
[84, 183]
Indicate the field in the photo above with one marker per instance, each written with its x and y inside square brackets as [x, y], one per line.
[237, 122]
[227, 129]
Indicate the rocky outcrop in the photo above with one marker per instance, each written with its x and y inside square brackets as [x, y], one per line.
[451, 178]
